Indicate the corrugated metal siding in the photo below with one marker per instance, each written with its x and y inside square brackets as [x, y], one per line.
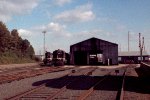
[110, 50]
[132, 53]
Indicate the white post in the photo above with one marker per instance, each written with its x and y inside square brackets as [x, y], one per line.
[108, 62]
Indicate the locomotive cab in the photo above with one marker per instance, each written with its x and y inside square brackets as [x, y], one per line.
[48, 58]
[59, 57]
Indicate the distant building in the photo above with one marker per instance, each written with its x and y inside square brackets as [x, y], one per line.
[41, 57]
[132, 57]
[94, 51]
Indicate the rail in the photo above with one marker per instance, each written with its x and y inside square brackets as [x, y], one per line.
[145, 69]
[53, 95]
[64, 88]
[30, 91]
[85, 94]
[145, 64]
[121, 95]
[26, 73]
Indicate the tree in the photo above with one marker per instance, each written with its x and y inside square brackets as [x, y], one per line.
[4, 37]
[24, 46]
[12, 46]
[15, 40]
[15, 33]
[30, 52]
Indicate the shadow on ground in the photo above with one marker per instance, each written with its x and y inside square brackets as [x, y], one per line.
[112, 83]
[140, 84]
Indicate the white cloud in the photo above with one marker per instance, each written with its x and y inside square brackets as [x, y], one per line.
[8, 8]
[58, 37]
[24, 33]
[81, 13]
[55, 29]
[95, 33]
[61, 2]
[99, 33]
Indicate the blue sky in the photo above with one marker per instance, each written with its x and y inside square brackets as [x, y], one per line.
[67, 22]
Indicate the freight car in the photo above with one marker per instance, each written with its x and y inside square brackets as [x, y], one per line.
[59, 57]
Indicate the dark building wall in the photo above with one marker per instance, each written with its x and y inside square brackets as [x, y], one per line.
[132, 56]
[81, 51]
[132, 59]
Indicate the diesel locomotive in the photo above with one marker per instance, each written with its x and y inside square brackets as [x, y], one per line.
[48, 58]
[57, 58]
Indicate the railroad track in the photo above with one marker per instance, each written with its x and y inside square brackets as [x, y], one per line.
[25, 73]
[136, 87]
[106, 88]
[43, 92]
[86, 87]
[87, 92]
[81, 89]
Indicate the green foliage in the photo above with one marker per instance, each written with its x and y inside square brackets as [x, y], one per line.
[4, 37]
[13, 49]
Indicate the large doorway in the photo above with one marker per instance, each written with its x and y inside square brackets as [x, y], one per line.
[96, 58]
[80, 58]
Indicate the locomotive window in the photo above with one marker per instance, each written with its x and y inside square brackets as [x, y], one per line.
[60, 55]
[47, 54]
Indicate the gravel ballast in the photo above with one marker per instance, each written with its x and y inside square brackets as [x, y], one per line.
[16, 87]
[136, 87]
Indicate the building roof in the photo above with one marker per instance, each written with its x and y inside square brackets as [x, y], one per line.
[132, 53]
[93, 38]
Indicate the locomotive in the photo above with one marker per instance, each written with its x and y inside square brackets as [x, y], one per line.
[59, 58]
[48, 58]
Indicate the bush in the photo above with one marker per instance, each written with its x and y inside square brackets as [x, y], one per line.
[11, 57]
[37, 59]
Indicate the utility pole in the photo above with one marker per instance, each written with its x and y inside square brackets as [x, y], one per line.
[120, 47]
[141, 46]
[128, 41]
[44, 32]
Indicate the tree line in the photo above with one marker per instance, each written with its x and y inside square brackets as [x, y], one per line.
[12, 45]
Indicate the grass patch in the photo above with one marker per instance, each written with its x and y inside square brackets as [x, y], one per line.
[12, 58]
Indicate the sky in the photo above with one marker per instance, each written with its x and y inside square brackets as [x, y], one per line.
[67, 22]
